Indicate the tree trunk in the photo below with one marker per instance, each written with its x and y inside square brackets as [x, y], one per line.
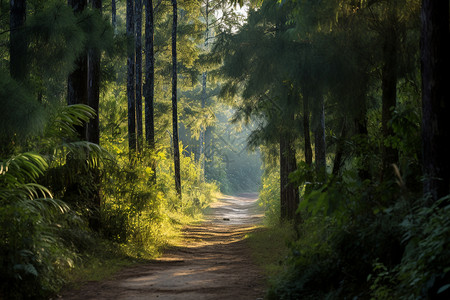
[113, 15]
[435, 61]
[289, 195]
[201, 153]
[18, 41]
[93, 129]
[149, 87]
[77, 84]
[93, 134]
[337, 164]
[138, 26]
[131, 82]
[360, 123]
[389, 99]
[319, 142]
[176, 148]
[306, 130]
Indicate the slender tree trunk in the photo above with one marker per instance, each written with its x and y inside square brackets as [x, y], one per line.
[18, 41]
[131, 81]
[289, 194]
[176, 148]
[77, 84]
[389, 99]
[113, 15]
[306, 130]
[435, 98]
[94, 85]
[337, 164]
[360, 123]
[93, 129]
[138, 25]
[149, 87]
[319, 142]
[201, 154]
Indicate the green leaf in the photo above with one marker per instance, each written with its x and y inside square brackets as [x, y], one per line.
[443, 288]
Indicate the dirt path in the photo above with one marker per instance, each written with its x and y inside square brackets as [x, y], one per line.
[213, 262]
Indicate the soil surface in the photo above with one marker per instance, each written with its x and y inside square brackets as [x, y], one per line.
[213, 262]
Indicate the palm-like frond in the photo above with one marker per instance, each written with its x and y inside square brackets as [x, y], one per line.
[66, 120]
[18, 176]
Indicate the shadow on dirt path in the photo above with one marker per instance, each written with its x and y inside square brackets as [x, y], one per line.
[213, 262]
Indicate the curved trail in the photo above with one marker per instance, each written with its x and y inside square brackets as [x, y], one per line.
[212, 263]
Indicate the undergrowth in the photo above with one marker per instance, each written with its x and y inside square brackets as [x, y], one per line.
[48, 243]
[355, 243]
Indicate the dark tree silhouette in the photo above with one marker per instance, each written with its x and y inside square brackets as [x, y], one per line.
[176, 148]
[131, 78]
[435, 98]
[18, 41]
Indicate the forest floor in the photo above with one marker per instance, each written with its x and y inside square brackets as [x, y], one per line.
[213, 261]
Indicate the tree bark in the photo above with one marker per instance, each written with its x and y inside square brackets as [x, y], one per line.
[93, 129]
[289, 195]
[176, 148]
[435, 59]
[337, 164]
[93, 133]
[18, 41]
[306, 130]
[319, 142]
[77, 84]
[149, 87]
[131, 81]
[138, 26]
[113, 15]
[201, 153]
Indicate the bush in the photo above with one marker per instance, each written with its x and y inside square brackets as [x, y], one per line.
[31, 251]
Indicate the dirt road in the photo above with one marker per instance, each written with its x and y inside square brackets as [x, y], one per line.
[212, 263]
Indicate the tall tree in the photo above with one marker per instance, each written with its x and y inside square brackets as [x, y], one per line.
[93, 132]
[149, 87]
[114, 15]
[435, 40]
[176, 148]
[319, 140]
[18, 41]
[138, 29]
[131, 78]
[201, 152]
[289, 194]
[306, 129]
[77, 88]
[93, 127]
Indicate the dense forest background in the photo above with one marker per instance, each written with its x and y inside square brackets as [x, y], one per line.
[121, 120]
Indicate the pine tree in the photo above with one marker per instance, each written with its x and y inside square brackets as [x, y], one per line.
[93, 133]
[77, 82]
[114, 15]
[435, 46]
[201, 151]
[176, 148]
[131, 78]
[138, 30]
[149, 87]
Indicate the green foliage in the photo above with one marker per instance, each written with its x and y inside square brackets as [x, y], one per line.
[30, 249]
[269, 196]
[351, 245]
[20, 116]
[425, 269]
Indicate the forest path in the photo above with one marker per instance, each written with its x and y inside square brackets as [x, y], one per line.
[213, 262]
